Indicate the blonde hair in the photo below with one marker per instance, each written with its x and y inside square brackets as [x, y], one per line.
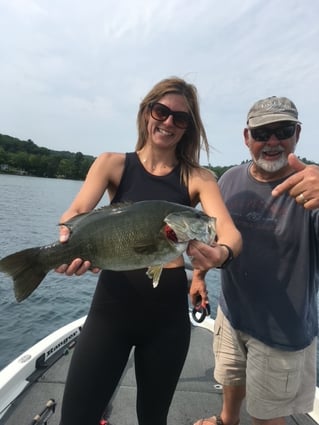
[194, 139]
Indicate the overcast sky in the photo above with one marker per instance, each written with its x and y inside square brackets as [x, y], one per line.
[73, 72]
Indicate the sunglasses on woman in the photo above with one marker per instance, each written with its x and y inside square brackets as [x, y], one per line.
[263, 134]
[161, 112]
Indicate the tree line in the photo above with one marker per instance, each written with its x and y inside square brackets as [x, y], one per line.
[26, 158]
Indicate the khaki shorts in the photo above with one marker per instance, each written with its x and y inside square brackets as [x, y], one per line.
[278, 383]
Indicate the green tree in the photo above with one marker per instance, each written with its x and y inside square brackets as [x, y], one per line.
[65, 169]
[3, 156]
[21, 160]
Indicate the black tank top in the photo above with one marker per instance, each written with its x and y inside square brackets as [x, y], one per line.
[138, 185]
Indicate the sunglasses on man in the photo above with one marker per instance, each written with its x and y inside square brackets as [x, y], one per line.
[161, 112]
[263, 134]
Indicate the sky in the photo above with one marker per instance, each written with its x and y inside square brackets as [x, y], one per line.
[73, 72]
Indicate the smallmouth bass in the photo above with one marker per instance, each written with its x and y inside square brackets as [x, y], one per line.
[130, 236]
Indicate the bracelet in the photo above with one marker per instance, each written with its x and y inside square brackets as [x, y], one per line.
[228, 259]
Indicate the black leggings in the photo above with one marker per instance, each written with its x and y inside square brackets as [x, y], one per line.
[128, 312]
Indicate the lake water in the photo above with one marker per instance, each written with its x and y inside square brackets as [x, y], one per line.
[30, 209]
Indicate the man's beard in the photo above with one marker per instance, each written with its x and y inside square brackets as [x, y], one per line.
[271, 166]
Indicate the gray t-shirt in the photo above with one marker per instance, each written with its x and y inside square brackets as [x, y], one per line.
[270, 290]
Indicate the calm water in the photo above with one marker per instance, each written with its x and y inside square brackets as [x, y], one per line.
[30, 209]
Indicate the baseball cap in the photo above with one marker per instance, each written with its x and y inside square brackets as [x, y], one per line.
[270, 110]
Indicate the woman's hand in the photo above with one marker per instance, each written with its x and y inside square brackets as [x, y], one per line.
[205, 257]
[197, 290]
[78, 266]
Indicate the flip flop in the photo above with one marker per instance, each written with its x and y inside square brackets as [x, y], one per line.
[215, 420]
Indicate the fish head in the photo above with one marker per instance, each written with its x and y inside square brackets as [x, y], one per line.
[183, 226]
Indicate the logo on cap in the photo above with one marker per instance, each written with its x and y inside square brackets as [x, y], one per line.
[270, 110]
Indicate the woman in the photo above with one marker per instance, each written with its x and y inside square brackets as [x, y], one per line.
[164, 166]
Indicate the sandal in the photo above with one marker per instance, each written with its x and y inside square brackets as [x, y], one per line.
[214, 420]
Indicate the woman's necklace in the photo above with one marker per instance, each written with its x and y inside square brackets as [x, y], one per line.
[148, 164]
[154, 167]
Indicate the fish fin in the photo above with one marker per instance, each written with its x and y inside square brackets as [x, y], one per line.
[154, 272]
[111, 209]
[145, 248]
[25, 270]
[116, 206]
[73, 220]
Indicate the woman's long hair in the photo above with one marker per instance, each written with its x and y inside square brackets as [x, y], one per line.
[194, 139]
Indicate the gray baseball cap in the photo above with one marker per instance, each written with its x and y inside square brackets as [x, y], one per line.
[270, 110]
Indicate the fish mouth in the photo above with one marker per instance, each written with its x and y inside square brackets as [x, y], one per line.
[173, 237]
[181, 231]
[170, 234]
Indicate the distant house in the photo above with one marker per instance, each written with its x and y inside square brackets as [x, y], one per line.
[5, 168]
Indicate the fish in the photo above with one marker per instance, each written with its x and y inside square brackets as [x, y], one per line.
[125, 236]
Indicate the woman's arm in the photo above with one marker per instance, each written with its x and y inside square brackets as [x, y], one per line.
[104, 175]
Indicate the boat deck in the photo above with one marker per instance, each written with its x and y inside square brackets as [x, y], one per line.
[197, 394]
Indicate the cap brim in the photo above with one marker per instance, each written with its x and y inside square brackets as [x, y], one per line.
[270, 119]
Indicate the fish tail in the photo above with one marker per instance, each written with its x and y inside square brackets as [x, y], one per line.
[26, 271]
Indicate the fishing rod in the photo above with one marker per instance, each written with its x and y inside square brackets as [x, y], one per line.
[199, 312]
[43, 417]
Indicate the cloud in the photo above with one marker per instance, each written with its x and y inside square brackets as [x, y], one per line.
[73, 73]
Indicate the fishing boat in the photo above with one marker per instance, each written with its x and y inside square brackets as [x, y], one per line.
[31, 386]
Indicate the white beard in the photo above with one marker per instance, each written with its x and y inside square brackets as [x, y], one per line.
[271, 166]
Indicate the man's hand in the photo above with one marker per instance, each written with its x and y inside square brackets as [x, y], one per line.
[303, 185]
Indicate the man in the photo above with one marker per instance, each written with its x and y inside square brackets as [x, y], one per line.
[266, 326]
